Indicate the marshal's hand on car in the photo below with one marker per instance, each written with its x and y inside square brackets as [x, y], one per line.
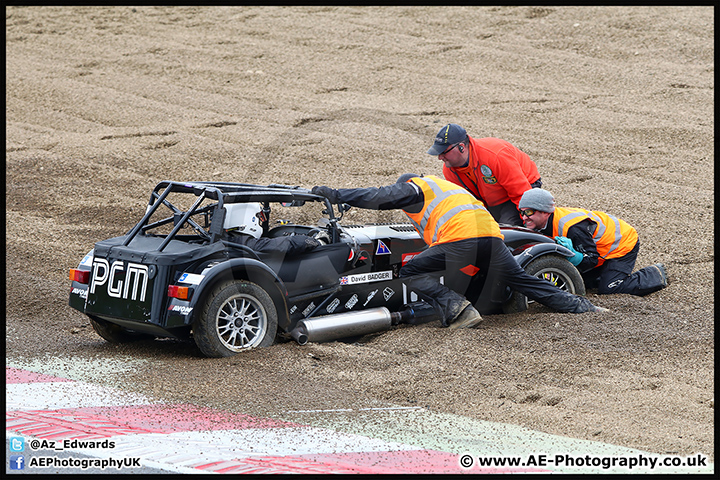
[327, 192]
[567, 243]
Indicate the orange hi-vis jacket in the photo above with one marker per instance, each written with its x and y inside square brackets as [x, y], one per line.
[450, 213]
[613, 237]
[497, 171]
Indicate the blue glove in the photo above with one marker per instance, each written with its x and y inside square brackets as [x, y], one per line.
[567, 243]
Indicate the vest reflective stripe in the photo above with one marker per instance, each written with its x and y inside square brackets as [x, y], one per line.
[566, 221]
[613, 237]
[450, 213]
[600, 231]
[439, 197]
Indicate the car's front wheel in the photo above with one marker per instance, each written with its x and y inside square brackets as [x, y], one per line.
[236, 316]
[556, 270]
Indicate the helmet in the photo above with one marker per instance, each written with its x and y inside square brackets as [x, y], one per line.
[243, 218]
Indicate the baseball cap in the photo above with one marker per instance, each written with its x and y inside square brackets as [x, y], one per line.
[538, 199]
[450, 134]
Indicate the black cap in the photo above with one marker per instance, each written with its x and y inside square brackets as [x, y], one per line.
[450, 134]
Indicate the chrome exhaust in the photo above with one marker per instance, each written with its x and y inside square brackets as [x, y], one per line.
[351, 324]
[332, 327]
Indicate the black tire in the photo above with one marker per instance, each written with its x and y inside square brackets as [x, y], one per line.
[236, 316]
[115, 333]
[553, 268]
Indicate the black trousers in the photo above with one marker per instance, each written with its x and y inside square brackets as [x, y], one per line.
[615, 276]
[468, 265]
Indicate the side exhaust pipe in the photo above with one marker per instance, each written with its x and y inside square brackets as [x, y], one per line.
[332, 327]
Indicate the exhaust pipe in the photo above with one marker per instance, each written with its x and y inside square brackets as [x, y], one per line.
[332, 327]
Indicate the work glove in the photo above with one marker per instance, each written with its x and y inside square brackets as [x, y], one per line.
[567, 243]
[327, 192]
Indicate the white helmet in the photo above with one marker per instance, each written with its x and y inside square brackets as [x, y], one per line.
[243, 218]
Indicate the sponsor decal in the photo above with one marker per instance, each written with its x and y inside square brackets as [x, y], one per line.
[387, 293]
[470, 270]
[333, 305]
[293, 309]
[408, 296]
[370, 297]
[351, 303]
[184, 310]
[406, 257]
[82, 292]
[134, 285]
[193, 278]
[366, 277]
[382, 249]
[87, 260]
[308, 309]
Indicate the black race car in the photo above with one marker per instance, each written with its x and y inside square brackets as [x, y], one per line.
[178, 272]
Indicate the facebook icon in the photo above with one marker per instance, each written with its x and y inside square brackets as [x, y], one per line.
[17, 462]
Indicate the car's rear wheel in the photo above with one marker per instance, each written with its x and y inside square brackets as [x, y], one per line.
[115, 333]
[556, 270]
[236, 316]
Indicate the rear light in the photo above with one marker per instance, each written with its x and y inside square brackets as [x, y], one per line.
[80, 276]
[175, 291]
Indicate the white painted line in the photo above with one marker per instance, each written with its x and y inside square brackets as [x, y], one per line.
[334, 410]
[344, 410]
[82, 369]
[188, 448]
[389, 408]
[56, 395]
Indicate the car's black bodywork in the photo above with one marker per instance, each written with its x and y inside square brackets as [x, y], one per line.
[128, 285]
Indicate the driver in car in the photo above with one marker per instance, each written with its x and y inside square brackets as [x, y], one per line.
[464, 242]
[243, 226]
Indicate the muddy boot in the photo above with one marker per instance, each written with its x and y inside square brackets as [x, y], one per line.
[646, 280]
[468, 318]
[663, 273]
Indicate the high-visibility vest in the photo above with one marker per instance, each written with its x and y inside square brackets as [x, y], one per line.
[450, 213]
[613, 237]
[496, 172]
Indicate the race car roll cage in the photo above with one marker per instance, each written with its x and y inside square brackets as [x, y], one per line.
[223, 192]
[524, 243]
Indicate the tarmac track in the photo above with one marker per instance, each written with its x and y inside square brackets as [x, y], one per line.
[63, 423]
